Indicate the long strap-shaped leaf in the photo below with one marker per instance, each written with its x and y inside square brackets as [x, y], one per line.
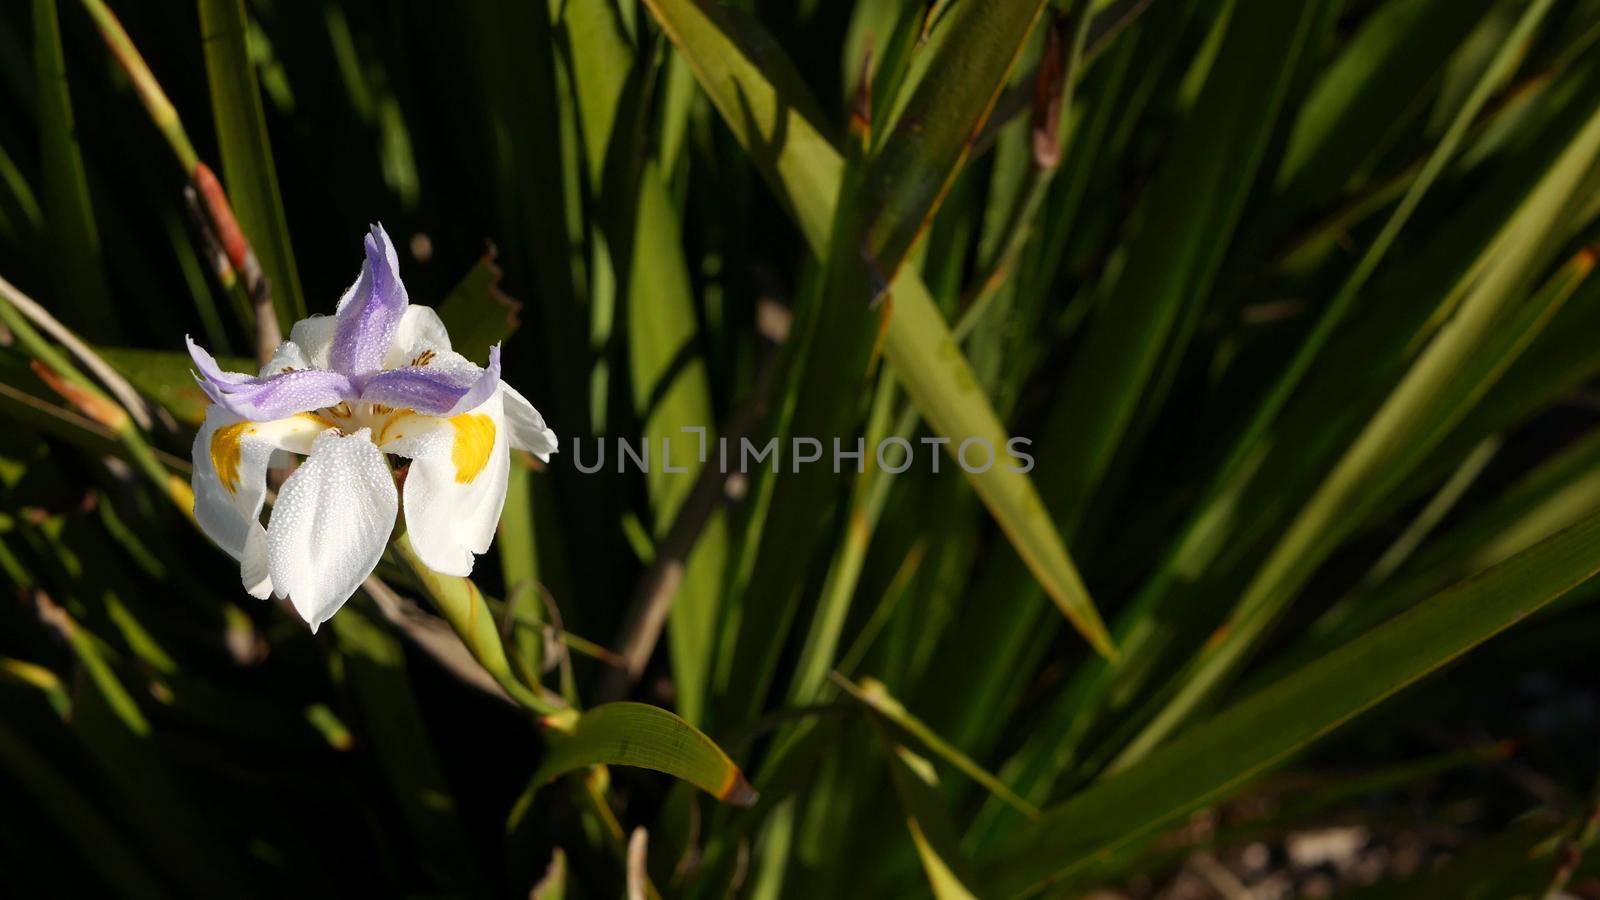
[372, 671]
[637, 734]
[1212, 524]
[1219, 756]
[1490, 327]
[72, 238]
[1559, 492]
[65, 802]
[252, 179]
[932, 832]
[1194, 205]
[934, 133]
[644, 254]
[882, 203]
[762, 101]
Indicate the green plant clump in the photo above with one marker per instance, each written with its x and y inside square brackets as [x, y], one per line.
[1008, 448]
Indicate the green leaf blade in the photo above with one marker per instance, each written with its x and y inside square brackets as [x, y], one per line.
[250, 175]
[806, 170]
[934, 134]
[477, 313]
[637, 734]
[72, 237]
[1226, 751]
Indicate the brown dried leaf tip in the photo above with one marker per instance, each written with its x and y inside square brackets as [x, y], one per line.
[87, 402]
[1048, 87]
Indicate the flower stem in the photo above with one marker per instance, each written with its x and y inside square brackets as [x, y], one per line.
[57, 370]
[144, 81]
[463, 606]
[218, 224]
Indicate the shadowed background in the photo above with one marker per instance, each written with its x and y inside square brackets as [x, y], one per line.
[1292, 300]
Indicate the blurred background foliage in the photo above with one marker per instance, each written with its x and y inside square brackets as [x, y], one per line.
[1292, 300]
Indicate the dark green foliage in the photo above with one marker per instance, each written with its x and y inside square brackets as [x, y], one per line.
[1292, 301]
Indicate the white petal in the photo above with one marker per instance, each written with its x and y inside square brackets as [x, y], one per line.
[253, 567]
[528, 431]
[420, 330]
[314, 337]
[330, 525]
[287, 356]
[227, 504]
[450, 362]
[457, 484]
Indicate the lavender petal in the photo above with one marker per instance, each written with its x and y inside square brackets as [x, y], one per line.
[271, 397]
[370, 311]
[435, 390]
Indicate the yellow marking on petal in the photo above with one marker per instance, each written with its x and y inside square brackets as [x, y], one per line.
[474, 441]
[423, 358]
[226, 453]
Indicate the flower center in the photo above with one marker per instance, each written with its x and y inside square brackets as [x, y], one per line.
[352, 416]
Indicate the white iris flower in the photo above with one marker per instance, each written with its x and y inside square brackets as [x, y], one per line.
[377, 377]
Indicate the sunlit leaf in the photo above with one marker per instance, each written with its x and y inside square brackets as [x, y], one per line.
[249, 174]
[637, 734]
[1219, 755]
